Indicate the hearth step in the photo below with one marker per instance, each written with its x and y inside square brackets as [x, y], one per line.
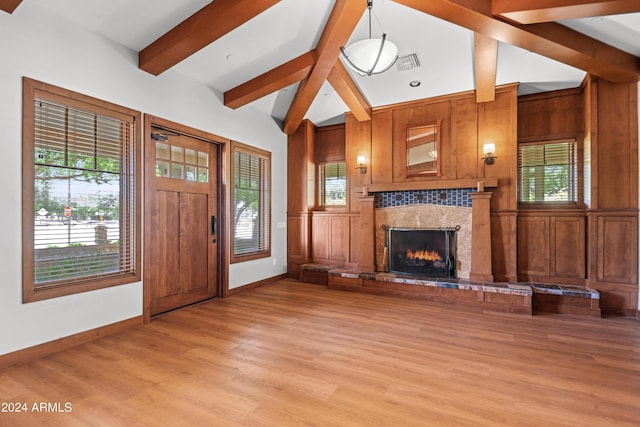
[503, 297]
[521, 297]
[315, 273]
[565, 299]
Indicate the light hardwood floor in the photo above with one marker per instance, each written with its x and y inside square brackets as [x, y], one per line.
[291, 353]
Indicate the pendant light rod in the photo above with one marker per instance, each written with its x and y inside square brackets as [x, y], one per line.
[369, 8]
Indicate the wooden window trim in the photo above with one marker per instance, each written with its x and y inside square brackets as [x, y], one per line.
[31, 90]
[238, 146]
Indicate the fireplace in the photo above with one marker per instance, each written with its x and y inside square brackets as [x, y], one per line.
[421, 251]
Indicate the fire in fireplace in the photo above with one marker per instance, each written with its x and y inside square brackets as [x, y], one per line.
[421, 251]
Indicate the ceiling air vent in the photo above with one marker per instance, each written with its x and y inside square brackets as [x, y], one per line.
[408, 62]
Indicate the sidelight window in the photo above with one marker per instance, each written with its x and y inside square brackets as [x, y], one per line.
[251, 202]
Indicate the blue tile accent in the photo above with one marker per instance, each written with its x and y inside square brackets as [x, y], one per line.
[460, 197]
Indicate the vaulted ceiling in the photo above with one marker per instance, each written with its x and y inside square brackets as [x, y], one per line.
[283, 56]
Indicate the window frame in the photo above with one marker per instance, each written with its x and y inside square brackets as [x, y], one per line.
[321, 186]
[33, 89]
[264, 155]
[577, 181]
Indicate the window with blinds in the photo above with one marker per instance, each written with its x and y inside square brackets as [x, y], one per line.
[251, 203]
[333, 184]
[83, 219]
[548, 172]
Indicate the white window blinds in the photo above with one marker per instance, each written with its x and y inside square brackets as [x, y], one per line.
[84, 194]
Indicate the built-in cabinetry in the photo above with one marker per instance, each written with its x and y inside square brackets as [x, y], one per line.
[552, 244]
[596, 243]
[592, 244]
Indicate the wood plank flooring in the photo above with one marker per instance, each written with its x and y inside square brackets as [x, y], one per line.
[295, 354]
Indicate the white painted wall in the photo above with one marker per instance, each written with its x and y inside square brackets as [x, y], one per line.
[42, 46]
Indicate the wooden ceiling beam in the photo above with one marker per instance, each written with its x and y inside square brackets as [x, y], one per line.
[278, 78]
[552, 40]
[343, 84]
[342, 21]
[485, 58]
[9, 5]
[537, 11]
[199, 30]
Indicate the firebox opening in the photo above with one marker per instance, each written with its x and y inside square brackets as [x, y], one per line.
[421, 251]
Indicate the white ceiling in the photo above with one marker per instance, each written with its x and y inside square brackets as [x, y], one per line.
[293, 27]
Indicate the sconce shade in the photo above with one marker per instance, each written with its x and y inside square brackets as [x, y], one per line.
[361, 166]
[489, 151]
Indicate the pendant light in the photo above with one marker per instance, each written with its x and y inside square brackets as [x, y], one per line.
[372, 55]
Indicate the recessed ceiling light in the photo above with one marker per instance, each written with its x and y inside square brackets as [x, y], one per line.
[414, 83]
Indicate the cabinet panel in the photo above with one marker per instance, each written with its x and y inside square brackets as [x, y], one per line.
[617, 249]
[297, 241]
[568, 247]
[533, 246]
[338, 238]
[465, 136]
[504, 246]
[320, 238]
[354, 240]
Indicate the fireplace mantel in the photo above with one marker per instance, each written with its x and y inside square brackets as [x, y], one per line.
[481, 264]
[430, 185]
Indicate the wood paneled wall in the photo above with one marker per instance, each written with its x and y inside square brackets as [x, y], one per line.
[612, 117]
[316, 235]
[593, 244]
[300, 195]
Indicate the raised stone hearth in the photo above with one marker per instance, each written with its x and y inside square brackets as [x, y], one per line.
[503, 297]
[520, 298]
[565, 299]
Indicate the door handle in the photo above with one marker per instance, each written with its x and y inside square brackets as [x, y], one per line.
[213, 225]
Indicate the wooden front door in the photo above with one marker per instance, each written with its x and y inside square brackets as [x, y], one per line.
[181, 220]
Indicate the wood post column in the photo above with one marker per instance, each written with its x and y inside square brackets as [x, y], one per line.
[367, 235]
[481, 269]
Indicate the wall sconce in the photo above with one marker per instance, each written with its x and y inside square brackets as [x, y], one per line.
[361, 164]
[489, 151]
